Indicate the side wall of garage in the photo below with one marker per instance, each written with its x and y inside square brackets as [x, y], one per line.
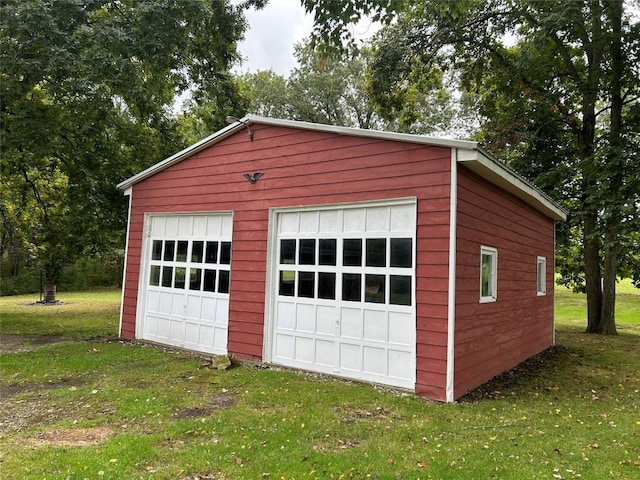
[494, 336]
[300, 168]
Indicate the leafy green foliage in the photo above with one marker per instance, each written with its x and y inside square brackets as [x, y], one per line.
[558, 88]
[87, 93]
[328, 90]
[336, 89]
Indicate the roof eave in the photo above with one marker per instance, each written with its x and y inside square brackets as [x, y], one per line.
[499, 174]
[361, 132]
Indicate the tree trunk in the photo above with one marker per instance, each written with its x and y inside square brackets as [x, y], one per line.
[591, 208]
[608, 314]
[615, 166]
[593, 277]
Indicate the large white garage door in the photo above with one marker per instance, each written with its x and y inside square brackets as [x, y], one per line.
[186, 281]
[344, 292]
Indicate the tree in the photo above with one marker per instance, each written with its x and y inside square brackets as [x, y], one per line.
[334, 90]
[563, 91]
[87, 90]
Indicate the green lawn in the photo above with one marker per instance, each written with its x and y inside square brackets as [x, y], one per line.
[91, 406]
[571, 308]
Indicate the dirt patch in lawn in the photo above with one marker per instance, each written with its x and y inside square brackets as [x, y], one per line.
[352, 415]
[207, 476]
[8, 390]
[26, 343]
[37, 408]
[71, 437]
[219, 402]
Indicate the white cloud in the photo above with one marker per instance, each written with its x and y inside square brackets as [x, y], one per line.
[273, 31]
[271, 35]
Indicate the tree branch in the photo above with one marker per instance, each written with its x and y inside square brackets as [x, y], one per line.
[36, 194]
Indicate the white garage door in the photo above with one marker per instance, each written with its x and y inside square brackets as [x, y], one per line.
[344, 300]
[187, 275]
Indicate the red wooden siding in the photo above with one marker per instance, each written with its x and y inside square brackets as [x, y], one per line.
[493, 337]
[305, 168]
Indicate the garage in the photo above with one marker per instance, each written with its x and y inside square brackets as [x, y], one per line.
[343, 296]
[354, 253]
[186, 283]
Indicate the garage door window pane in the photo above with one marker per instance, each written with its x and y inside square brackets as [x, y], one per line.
[306, 284]
[401, 252]
[209, 281]
[351, 283]
[181, 255]
[327, 251]
[223, 286]
[400, 290]
[155, 276]
[180, 277]
[374, 289]
[307, 251]
[352, 252]
[195, 279]
[169, 250]
[376, 252]
[327, 285]
[211, 255]
[196, 252]
[156, 250]
[167, 276]
[287, 282]
[287, 252]
[225, 253]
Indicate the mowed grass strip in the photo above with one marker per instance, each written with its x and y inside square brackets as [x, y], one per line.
[91, 406]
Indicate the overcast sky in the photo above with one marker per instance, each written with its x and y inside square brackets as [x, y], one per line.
[274, 30]
[271, 35]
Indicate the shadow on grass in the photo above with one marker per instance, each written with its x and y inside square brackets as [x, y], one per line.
[578, 363]
[528, 375]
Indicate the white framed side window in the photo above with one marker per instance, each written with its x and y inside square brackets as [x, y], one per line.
[542, 276]
[488, 274]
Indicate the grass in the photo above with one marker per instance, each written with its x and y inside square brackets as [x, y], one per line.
[81, 314]
[571, 309]
[90, 407]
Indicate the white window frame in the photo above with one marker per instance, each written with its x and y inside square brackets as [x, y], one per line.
[493, 274]
[541, 276]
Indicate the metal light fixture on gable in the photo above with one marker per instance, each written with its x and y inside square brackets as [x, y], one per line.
[250, 177]
[232, 119]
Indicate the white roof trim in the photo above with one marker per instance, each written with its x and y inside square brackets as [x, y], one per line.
[469, 154]
[499, 174]
[361, 132]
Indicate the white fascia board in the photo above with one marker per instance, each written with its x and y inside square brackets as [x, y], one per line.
[505, 178]
[128, 192]
[361, 132]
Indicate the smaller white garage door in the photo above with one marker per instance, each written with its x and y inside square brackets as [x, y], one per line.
[344, 301]
[186, 281]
